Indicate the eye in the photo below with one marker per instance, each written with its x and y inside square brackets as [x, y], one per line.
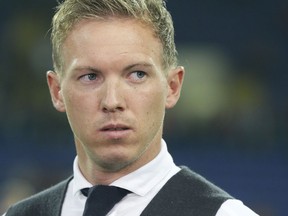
[138, 75]
[89, 77]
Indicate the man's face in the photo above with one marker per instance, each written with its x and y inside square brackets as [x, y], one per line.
[115, 92]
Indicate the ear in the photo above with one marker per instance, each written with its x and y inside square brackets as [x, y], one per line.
[175, 81]
[53, 81]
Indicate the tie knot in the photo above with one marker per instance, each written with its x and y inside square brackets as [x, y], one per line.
[102, 198]
[85, 191]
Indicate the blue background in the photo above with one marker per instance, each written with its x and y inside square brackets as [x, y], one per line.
[242, 146]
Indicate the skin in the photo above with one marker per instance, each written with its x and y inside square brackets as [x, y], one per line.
[114, 91]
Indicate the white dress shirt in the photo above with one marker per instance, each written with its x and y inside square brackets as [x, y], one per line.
[144, 184]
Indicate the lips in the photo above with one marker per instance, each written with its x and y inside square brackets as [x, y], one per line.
[115, 127]
[115, 131]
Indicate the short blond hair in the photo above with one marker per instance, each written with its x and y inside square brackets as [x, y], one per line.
[151, 12]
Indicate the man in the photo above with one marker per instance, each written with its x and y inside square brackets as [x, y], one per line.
[115, 73]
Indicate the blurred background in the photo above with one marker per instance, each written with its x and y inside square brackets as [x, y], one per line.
[230, 124]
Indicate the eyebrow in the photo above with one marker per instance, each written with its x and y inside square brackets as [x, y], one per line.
[129, 67]
[141, 64]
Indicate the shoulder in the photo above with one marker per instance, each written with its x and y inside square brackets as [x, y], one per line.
[196, 184]
[199, 186]
[206, 195]
[47, 202]
[187, 193]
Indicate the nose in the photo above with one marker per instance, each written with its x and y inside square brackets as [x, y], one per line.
[112, 98]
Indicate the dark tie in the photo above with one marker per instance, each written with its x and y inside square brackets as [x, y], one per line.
[101, 199]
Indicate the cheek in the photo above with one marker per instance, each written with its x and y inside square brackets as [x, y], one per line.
[71, 102]
[77, 101]
[152, 107]
[76, 108]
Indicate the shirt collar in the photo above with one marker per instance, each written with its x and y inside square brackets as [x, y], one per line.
[140, 181]
[79, 181]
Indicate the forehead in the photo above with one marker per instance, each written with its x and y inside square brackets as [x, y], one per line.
[111, 39]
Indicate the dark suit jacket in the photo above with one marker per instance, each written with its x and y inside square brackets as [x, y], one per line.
[185, 194]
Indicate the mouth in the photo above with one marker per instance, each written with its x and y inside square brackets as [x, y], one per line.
[115, 131]
[115, 127]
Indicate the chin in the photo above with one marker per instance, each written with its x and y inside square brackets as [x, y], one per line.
[115, 166]
[116, 163]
